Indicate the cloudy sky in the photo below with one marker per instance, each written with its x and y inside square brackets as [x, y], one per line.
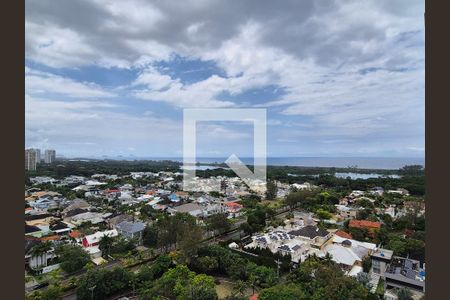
[338, 78]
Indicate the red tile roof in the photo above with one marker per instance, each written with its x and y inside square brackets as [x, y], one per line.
[75, 234]
[253, 297]
[50, 238]
[344, 234]
[364, 224]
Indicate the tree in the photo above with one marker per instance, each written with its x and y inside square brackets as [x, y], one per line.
[323, 214]
[412, 170]
[271, 190]
[320, 280]
[218, 222]
[41, 248]
[328, 259]
[101, 283]
[39, 253]
[358, 234]
[181, 231]
[404, 294]
[367, 264]
[296, 198]
[261, 276]
[166, 230]
[148, 212]
[150, 236]
[174, 281]
[52, 292]
[206, 264]
[155, 270]
[398, 245]
[72, 257]
[387, 220]
[180, 283]
[188, 241]
[415, 249]
[363, 214]
[364, 279]
[293, 199]
[123, 245]
[256, 218]
[54, 277]
[201, 287]
[283, 292]
[105, 245]
[250, 201]
[161, 265]
[239, 287]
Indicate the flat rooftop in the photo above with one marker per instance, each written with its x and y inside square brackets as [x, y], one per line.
[382, 253]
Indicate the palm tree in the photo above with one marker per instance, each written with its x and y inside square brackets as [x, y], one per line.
[240, 287]
[39, 251]
[253, 281]
[328, 259]
[105, 245]
[41, 248]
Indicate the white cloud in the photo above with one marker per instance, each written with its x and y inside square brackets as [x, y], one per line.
[91, 123]
[37, 82]
[350, 71]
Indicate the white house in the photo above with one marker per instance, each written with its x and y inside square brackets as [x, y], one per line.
[94, 239]
[191, 208]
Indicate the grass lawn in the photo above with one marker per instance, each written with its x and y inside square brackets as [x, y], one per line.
[273, 203]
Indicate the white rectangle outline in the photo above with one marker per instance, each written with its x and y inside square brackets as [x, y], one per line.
[255, 115]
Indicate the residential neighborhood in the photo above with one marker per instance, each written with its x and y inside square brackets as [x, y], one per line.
[122, 220]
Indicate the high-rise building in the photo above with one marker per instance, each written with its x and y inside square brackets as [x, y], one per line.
[30, 159]
[49, 156]
[38, 155]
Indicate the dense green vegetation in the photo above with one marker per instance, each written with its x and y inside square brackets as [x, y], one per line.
[272, 189]
[162, 279]
[180, 283]
[317, 279]
[100, 283]
[218, 223]
[53, 292]
[180, 231]
[412, 179]
[257, 218]
[159, 279]
[217, 260]
[65, 168]
[73, 258]
[116, 245]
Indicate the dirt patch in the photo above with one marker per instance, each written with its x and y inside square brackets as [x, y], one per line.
[225, 288]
